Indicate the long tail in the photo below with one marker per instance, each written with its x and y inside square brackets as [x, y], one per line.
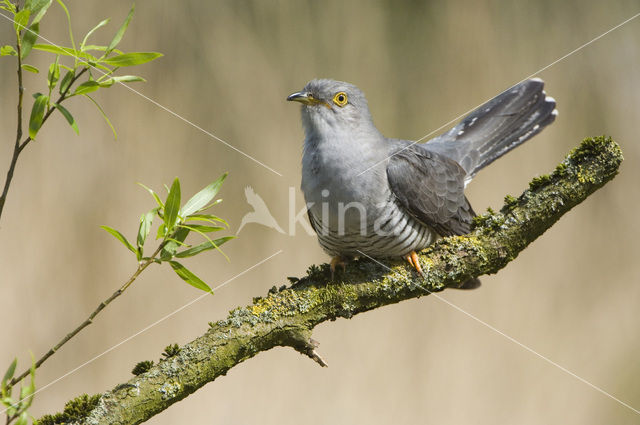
[501, 124]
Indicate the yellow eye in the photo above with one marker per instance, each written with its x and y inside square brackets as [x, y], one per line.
[340, 99]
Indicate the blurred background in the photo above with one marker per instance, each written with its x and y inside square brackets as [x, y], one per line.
[572, 296]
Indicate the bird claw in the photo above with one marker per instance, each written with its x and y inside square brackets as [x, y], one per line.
[414, 261]
[337, 260]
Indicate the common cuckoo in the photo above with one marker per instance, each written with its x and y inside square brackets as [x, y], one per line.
[369, 195]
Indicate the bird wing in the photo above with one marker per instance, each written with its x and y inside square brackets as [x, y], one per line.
[430, 187]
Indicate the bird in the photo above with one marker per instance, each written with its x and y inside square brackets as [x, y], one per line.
[260, 213]
[372, 196]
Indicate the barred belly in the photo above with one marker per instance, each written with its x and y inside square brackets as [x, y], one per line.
[394, 233]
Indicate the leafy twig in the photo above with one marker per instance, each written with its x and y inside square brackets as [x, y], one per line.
[173, 234]
[26, 36]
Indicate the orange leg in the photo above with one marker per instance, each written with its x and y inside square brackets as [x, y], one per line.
[412, 258]
[337, 260]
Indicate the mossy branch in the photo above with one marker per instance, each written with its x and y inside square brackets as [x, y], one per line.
[286, 317]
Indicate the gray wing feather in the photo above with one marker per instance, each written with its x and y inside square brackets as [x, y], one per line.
[430, 187]
[496, 127]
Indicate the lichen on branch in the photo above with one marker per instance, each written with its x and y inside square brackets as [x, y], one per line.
[287, 316]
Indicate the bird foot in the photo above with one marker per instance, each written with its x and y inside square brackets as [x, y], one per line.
[412, 258]
[335, 261]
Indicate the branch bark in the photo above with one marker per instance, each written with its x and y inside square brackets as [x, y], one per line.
[287, 317]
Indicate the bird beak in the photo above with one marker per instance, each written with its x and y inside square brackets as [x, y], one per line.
[305, 98]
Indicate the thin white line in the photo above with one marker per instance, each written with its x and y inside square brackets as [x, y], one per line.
[562, 368]
[195, 300]
[526, 78]
[208, 133]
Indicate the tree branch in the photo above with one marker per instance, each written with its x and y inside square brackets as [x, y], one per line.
[286, 317]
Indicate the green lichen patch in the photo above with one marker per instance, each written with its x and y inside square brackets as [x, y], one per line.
[489, 221]
[590, 147]
[74, 410]
[539, 181]
[561, 169]
[510, 201]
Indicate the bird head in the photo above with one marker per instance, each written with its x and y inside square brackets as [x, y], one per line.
[333, 106]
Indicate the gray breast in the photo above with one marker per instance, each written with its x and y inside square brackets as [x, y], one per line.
[389, 233]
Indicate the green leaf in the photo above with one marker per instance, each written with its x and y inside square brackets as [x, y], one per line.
[208, 239]
[87, 87]
[177, 240]
[12, 409]
[58, 50]
[205, 229]
[26, 393]
[172, 205]
[54, 74]
[66, 12]
[118, 37]
[119, 236]
[189, 277]
[29, 38]
[99, 48]
[37, 114]
[146, 220]
[21, 19]
[106, 118]
[86, 37]
[155, 195]
[162, 230]
[31, 389]
[66, 81]
[207, 217]
[30, 68]
[121, 79]
[202, 198]
[8, 6]
[8, 51]
[66, 51]
[8, 375]
[68, 116]
[23, 419]
[204, 246]
[131, 59]
[216, 202]
[38, 8]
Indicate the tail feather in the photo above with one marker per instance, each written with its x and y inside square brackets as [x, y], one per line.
[496, 127]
